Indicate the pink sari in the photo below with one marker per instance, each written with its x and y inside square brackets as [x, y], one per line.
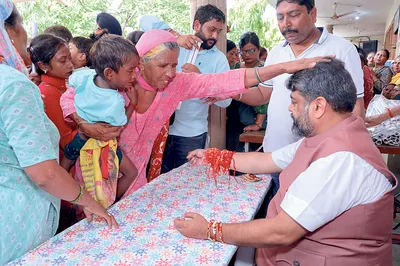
[138, 144]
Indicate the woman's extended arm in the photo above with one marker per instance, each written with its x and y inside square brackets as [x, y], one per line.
[234, 82]
[49, 176]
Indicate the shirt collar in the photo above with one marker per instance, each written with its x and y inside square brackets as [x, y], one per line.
[55, 82]
[213, 49]
[321, 39]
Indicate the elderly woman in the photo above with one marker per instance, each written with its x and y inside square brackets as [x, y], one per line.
[382, 74]
[31, 182]
[160, 90]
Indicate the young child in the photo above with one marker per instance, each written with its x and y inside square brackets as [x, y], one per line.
[97, 99]
[80, 49]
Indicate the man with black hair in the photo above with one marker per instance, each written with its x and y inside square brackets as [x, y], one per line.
[296, 21]
[335, 203]
[190, 127]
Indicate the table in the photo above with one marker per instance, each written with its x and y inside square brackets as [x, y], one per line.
[251, 137]
[386, 149]
[146, 235]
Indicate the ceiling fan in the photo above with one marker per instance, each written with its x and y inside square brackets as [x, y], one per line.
[335, 16]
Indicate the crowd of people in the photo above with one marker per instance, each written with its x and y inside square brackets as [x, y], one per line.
[87, 120]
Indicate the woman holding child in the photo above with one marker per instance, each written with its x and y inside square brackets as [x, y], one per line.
[160, 89]
[31, 181]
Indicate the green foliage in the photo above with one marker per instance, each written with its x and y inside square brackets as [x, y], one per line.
[80, 16]
[175, 12]
[256, 16]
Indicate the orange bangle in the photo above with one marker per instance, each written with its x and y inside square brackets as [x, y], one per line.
[390, 112]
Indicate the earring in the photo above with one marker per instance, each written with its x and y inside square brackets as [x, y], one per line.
[12, 41]
[45, 71]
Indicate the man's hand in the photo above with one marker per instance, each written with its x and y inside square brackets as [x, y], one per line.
[305, 63]
[193, 225]
[253, 127]
[189, 68]
[188, 41]
[196, 157]
[100, 131]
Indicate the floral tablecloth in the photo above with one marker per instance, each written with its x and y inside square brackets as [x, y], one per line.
[147, 235]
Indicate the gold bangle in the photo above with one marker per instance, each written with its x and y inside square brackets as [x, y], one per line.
[257, 75]
[82, 122]
[79, 196]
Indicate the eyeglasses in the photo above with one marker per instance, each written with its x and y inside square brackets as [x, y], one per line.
[249, 52]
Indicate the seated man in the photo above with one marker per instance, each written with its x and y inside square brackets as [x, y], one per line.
[335, 203]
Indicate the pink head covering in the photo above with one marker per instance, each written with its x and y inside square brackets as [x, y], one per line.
[148, 41]
[7, 50]
[153, 38]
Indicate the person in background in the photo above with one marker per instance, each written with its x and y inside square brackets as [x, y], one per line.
[52, 60]
[59, 31]
[263, 54]
[396, 71]
[232, 53]
[32, 182]
[382, 74]
[80, 51]
[190, 127]
[249, 45]
[242, 117]
[368, 80]
[134, 36]
[371, 60]
[335, 203]
[107, 22]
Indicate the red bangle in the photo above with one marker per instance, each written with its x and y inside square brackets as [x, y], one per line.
[390, 112]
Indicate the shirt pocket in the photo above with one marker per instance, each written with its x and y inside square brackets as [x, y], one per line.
[299, 257]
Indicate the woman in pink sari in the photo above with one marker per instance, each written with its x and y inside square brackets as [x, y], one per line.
[160, 90]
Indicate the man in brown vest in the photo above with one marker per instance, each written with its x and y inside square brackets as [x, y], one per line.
[335, 203]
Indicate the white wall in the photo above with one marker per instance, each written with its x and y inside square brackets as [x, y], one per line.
[379, 38]
[392, 11]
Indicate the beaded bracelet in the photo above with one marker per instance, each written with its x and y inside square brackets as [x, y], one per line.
[209, 229]
[79, 196]
[214, 231]
[220, 232]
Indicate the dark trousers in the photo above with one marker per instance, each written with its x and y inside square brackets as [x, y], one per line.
[177, 149]
[262, 212]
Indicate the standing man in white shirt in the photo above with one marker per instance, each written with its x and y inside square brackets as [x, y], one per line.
[296, 21]
[189, 129]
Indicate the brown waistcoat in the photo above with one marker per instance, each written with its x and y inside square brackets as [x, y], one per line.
[360, 236]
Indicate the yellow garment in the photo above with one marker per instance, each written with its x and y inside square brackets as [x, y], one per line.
[396, 79]
[93, 156]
